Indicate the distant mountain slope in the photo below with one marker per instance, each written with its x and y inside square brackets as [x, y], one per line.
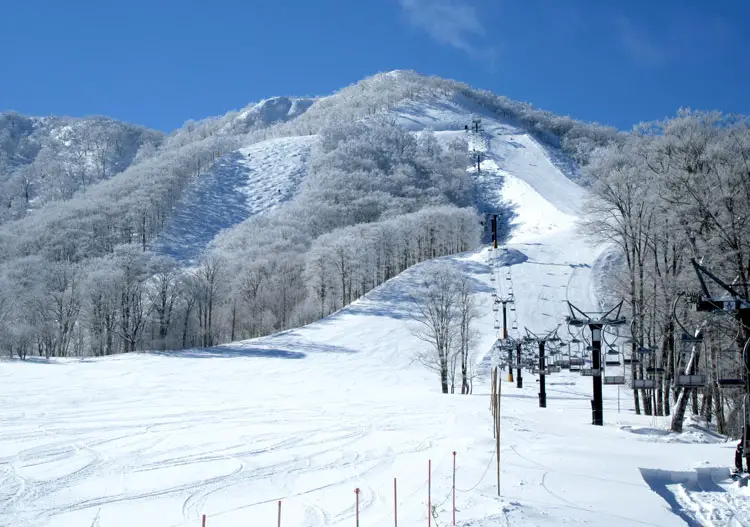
[44, 159]
[215, 201]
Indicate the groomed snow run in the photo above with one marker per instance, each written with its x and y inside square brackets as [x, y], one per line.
[307, 416]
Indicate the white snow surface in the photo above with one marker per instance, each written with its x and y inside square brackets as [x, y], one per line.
[308, 415]
[247, 182]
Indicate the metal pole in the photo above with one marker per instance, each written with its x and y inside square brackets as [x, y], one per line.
[542, 377]
[744, 317]
[429, 493]
[279, 516]
[494, 219]
[454, 489]
[597, 411]
[519, 378]
[505, 337]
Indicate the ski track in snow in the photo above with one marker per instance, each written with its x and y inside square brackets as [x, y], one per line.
[247, 182]
[309, 414]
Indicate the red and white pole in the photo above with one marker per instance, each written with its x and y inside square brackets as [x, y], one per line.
[429, 492]
[454, 489]
[356, 492]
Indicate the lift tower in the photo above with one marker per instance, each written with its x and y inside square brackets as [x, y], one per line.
[596, 322]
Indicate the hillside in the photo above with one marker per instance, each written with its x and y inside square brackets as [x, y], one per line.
[232, 210]
[48, 159]
[307, 415]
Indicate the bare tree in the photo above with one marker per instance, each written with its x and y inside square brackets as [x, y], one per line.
[436, 310]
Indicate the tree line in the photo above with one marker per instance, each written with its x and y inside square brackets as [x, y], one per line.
[376, 200]
[672, 191]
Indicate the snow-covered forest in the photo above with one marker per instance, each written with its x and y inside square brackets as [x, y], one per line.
[672, 191]
[90, 197]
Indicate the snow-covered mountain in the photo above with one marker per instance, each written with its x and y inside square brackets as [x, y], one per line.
[241, 180]
[307, 415]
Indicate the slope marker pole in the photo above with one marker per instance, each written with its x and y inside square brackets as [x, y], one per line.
[356, 506]
[454, 488]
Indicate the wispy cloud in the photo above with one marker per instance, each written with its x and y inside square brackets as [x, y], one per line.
[637, 44]
[455, 23]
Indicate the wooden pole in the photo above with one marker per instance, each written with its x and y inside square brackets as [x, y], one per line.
[497, 439]
[356, 505]
[454, 489]
[395, 504]
[429, 492]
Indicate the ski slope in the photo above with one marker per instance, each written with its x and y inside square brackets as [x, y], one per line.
[308, 415]
[247, 182]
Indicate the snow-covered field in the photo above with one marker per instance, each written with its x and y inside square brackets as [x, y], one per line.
[308, 415]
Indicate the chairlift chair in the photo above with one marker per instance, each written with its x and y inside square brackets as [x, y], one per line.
[492, 278]
[612, 362]
[690, 381]
[683, 377]
[644, 384]
[613, 379]
[495, 307]
[729, 369]
[514, 325]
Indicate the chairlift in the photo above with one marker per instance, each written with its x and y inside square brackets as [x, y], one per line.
[576, 361]
[686, 374]
[613, 379]
[507, 277]
[644, 384]
[627, 361]
[690, 381]
[492, 277]
[730, 369]
[515, 324]
[497, 325]
[612, 362]
[495, 308]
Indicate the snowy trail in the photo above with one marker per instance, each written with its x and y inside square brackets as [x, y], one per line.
[247, 182]
[307, 415]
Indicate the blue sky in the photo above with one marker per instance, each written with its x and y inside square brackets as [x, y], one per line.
[161, 62]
